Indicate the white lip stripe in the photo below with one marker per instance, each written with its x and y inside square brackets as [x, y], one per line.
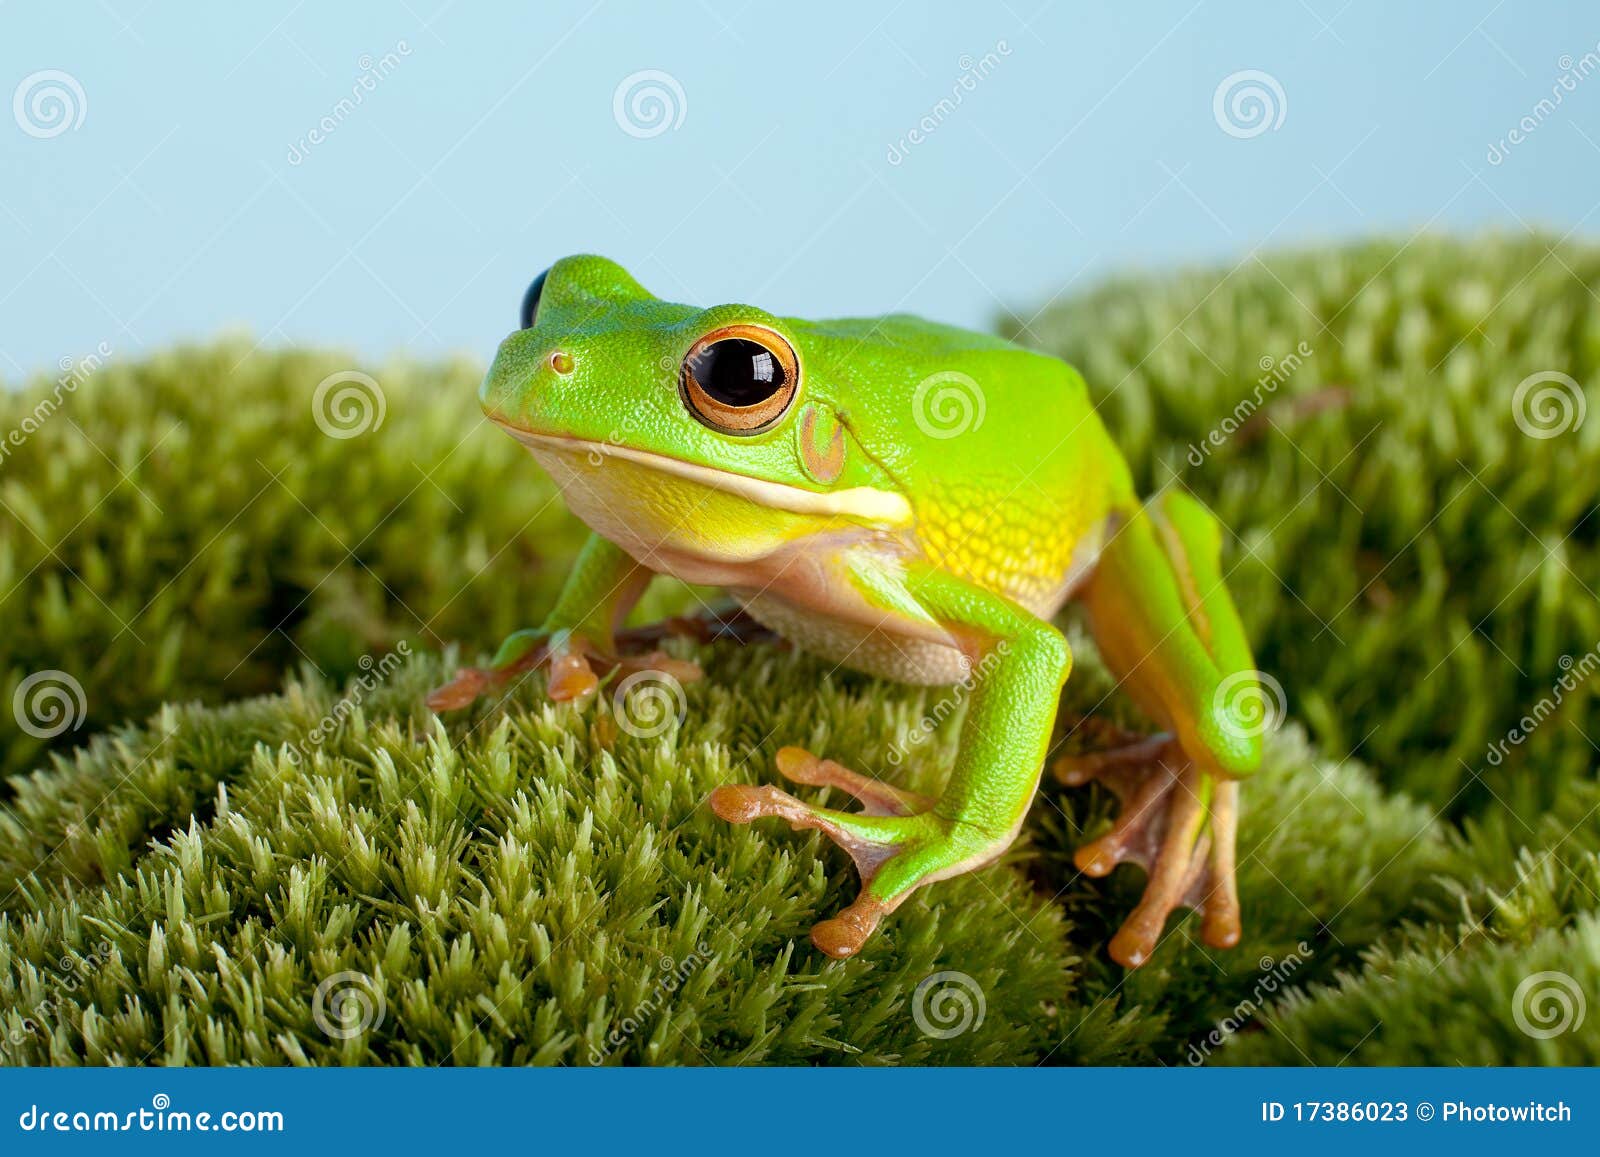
[884, 507]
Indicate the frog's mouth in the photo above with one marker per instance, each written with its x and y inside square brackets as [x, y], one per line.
[861, 504]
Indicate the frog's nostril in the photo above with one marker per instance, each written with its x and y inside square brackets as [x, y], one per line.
[561, 362]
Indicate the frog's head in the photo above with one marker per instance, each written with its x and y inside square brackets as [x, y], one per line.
[706, 435]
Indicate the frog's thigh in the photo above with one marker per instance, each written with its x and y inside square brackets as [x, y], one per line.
[1169, 632]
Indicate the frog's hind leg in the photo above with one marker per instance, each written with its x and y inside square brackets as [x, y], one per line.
[1170, 634]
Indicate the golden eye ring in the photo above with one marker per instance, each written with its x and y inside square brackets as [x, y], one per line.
[739, 379]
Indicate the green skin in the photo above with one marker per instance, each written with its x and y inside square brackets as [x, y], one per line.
[921, 507]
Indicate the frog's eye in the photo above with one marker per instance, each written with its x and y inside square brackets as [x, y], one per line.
[740, 379]
[530, 300]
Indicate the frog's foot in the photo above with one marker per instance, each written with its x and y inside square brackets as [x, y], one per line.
[896, 841]
[576, 666]
[1178, 822]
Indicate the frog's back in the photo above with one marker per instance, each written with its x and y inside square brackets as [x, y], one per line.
[1006, 463]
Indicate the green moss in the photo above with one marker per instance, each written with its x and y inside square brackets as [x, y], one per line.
[1412, 566]
[1409, 563]
[517, 888]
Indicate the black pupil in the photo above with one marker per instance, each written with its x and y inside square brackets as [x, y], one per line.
[737, 372]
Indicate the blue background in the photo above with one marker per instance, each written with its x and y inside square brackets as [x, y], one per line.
[749, 1110]
[173, 210]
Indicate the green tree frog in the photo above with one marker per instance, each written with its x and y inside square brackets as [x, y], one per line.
[912, 500]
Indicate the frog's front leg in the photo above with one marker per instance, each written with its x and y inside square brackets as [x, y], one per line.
[901, 841]
[579, 634]
[1170, 634]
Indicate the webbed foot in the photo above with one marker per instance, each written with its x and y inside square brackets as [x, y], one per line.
[896, 841]
[1178, 822]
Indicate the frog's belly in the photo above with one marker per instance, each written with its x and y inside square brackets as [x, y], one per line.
[879, 650]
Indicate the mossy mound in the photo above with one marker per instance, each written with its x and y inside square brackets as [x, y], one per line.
[529, 884]
[1417, 544]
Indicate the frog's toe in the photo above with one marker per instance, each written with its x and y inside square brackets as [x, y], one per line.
[869, 845]
[877, 798]
[462, 690]
[896, 843]
[1178, 823]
